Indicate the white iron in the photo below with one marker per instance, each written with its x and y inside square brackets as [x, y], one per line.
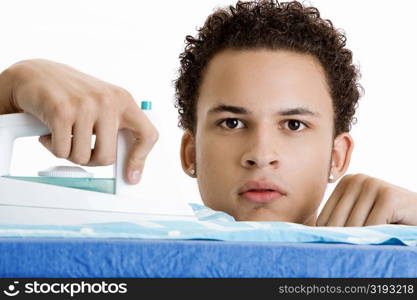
[24, 202]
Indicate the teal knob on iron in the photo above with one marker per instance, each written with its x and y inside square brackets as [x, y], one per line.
[146, 105]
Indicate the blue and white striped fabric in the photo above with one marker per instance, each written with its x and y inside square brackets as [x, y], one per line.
[215, 225]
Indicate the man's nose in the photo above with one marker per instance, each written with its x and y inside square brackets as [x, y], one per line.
[261, 152]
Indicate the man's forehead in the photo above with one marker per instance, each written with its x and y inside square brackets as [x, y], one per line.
[264, 81]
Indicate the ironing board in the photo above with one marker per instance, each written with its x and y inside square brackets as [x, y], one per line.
[83, 257]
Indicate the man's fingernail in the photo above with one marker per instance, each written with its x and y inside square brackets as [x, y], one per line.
[135, 175]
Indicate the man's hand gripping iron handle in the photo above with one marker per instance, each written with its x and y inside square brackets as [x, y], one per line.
[13, 126]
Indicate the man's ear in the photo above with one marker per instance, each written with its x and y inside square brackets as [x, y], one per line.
[342, 151]
[188, 154]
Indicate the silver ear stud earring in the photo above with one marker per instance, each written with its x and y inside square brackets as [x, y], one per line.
[192, 171]
[331, 178]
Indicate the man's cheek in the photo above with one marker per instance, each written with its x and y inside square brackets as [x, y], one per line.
[313, 162]
[218, 154]
[308, 175]
[215, 164]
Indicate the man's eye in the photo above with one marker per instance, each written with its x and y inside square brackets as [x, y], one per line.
[294, 125]
[231, 123]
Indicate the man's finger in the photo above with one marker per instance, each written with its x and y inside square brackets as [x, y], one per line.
[81, 142]
[381, 212]
[104, 152]
[61, 138]
[145, 135]
[345, 204]
[46, 141]
[363, 206]
[332, 202]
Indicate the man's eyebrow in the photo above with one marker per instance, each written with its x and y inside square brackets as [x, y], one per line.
[298, 111]
[228, 108]
[243, 111]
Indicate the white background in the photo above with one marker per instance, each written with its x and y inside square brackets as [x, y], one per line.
[136, 44]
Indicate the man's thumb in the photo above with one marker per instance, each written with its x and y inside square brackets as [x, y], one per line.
[135, 164]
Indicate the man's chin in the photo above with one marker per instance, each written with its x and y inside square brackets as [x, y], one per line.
[261, 215]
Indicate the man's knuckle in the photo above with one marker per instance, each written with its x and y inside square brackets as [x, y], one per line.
[154, 136]
[104, 98]
[122, 93]
[386, 194]
[87, 105]
[105, 160]
[385, 202]
[63, 113]
[370, 182]
[108, 161]
[80, 159]
[361, 177]
[135, 160]
[107, 103]
[346, 178]
[60, 153]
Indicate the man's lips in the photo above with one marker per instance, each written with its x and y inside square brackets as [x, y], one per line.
[261, 196]
[260, 191]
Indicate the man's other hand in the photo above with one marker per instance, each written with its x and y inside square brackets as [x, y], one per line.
[361, 200]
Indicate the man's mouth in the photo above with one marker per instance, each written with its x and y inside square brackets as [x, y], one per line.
[261, 196]
[260, 192]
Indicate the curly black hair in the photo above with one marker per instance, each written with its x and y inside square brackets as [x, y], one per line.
[270, 25]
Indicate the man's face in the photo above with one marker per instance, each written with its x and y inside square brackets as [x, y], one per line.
[264, 135]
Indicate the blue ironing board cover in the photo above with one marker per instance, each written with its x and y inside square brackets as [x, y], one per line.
[212, 245]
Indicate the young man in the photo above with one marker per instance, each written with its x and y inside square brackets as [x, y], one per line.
[266, 96]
